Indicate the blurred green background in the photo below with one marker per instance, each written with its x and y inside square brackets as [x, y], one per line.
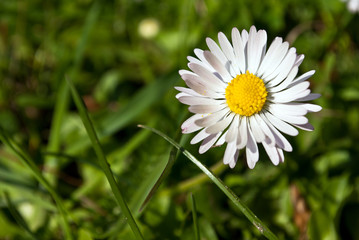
[124, 57]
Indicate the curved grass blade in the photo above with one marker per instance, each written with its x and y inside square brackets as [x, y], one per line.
[18, 218]
[102, 160]
[30, 163]
[199, 179]
[230, 194]
[195, 220]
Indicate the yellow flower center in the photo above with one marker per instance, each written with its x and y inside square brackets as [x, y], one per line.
[246, 94]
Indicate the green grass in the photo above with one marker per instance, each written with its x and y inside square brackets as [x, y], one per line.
[52, 179]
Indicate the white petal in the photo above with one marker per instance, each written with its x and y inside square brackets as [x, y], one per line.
[189, 125]
[286, 82]
[217, 66]
[233, 130]
[287, 108]
[216, 50]
[309, 97]
[199, 54]
[302, 78]
[270, 56]
[200, 89]
[265, 130]
[289, 54]
[195, 60]
[312, 107]
[208, 76]
[208, 142]
[221, 125]
[279, 124]
[283, 69]
[199, 136]
[256, 43]
[232, 163]
[306, 127]
[252, 153]
[206, 108]
[229, 153]
[299, 59]
[281, 155]
[229, 53]
[273, 57]
[242, 137]
[211, 119]
[238, 46]
[307, 106]
[256, 129]
[288, 95]
[188, 91]
[221, 140]
[244, 36]
[272, 153]
[190, 100]
[178, 95]
[200, 86]
[184, 71]
[299, 95]
[281, 141]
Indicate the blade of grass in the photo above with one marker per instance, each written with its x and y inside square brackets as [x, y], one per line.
[199, 179]
[30, 163]
[63, 95]
[230, 194]
[18, 218]
[195, 220]
[102, 160]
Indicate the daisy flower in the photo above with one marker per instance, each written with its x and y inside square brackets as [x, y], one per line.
[243, 94]
[352, 5]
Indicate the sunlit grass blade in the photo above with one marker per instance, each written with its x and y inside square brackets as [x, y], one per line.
[189, 183]
[30, 163]
[18, 218]
[195, 220]
[230, 194]
[102, 160]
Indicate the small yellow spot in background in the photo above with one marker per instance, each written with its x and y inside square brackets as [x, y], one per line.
[246, 94]
[148, 28]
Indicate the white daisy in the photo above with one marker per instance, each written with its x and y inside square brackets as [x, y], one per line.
[242, 94]
[352, 5]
